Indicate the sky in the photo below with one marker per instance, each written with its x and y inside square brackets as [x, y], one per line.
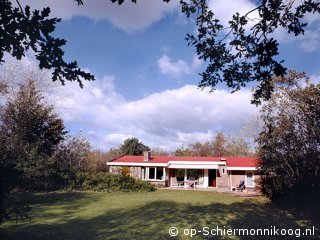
[147, 75]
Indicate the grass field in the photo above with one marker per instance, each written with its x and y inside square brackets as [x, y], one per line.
[77, 216]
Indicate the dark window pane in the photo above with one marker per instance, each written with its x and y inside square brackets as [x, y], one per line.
[152, 172]
[159, 173]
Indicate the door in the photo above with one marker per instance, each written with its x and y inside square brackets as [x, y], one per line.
[212, 177]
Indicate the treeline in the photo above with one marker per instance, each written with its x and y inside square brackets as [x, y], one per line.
[221, 145]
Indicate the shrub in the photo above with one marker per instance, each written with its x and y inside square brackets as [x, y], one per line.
[109, 182]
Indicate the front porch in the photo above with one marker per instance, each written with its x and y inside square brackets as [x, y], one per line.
[196, 174]
[192, 178]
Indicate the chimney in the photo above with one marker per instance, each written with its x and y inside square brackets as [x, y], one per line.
[223, 159]
[146, 155]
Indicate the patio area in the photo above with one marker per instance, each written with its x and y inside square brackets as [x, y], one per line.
[244, 193]
[192, 178]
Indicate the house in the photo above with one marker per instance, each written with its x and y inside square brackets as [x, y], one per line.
[205, 172]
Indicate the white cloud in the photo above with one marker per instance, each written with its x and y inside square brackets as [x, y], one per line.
[225, 9]
[167, 119]
[179, 68]
[176, 69]
[128, 17]
[310, 42]
[315, 79]
[196, 62]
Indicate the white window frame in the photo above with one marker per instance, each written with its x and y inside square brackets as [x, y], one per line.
[145, 173]
[252, 179]
[155, 173]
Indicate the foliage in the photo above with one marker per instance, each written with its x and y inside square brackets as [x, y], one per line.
[245, 51]
[70, 157]
[73, 152]
[97, 159]
[30, 134]
[237, 147]
[110, 183]
[3, 88]
[22, 30]
[184, 152]
[289, 144]
[158, 151]
[221, 145]
[202, 150]
[132, 146]
[242, 52]
[218, 145]
[125, 171]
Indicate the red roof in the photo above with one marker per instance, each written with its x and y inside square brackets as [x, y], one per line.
[242, 162]
[230, 161]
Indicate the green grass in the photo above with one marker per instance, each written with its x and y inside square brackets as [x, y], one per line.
[97, 216]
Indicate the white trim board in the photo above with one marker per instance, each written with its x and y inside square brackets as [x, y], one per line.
[242, 168]
[136, 164]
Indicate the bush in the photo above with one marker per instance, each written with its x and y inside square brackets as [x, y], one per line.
[107, 182]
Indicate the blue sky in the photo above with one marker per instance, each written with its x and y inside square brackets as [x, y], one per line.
[147, 75]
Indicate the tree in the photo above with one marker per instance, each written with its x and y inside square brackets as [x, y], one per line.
[202, 150]
[222, 145]
[75, 152]
[243, 52]
[97, 160]
[30, 134]
[22, 30]
[289, 144]
[70, 158]
[219, 145]
[158, 151]
[3, 88]
[132, 146]
[236, 147]
[184, 151]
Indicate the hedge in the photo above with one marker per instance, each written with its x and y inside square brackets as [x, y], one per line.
[107, 182]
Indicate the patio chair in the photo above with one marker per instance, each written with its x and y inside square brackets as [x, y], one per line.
[199, 183]
[241, 186]
[190, 183]
[174, 182]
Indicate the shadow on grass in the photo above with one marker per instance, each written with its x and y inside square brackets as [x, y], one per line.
[153, 220]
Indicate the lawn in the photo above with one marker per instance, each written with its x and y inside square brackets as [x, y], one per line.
[97, 216]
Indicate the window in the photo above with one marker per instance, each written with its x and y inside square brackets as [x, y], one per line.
[143, 173]
[156, 173]
[152, 173]
[250, 180]
[159, 173]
